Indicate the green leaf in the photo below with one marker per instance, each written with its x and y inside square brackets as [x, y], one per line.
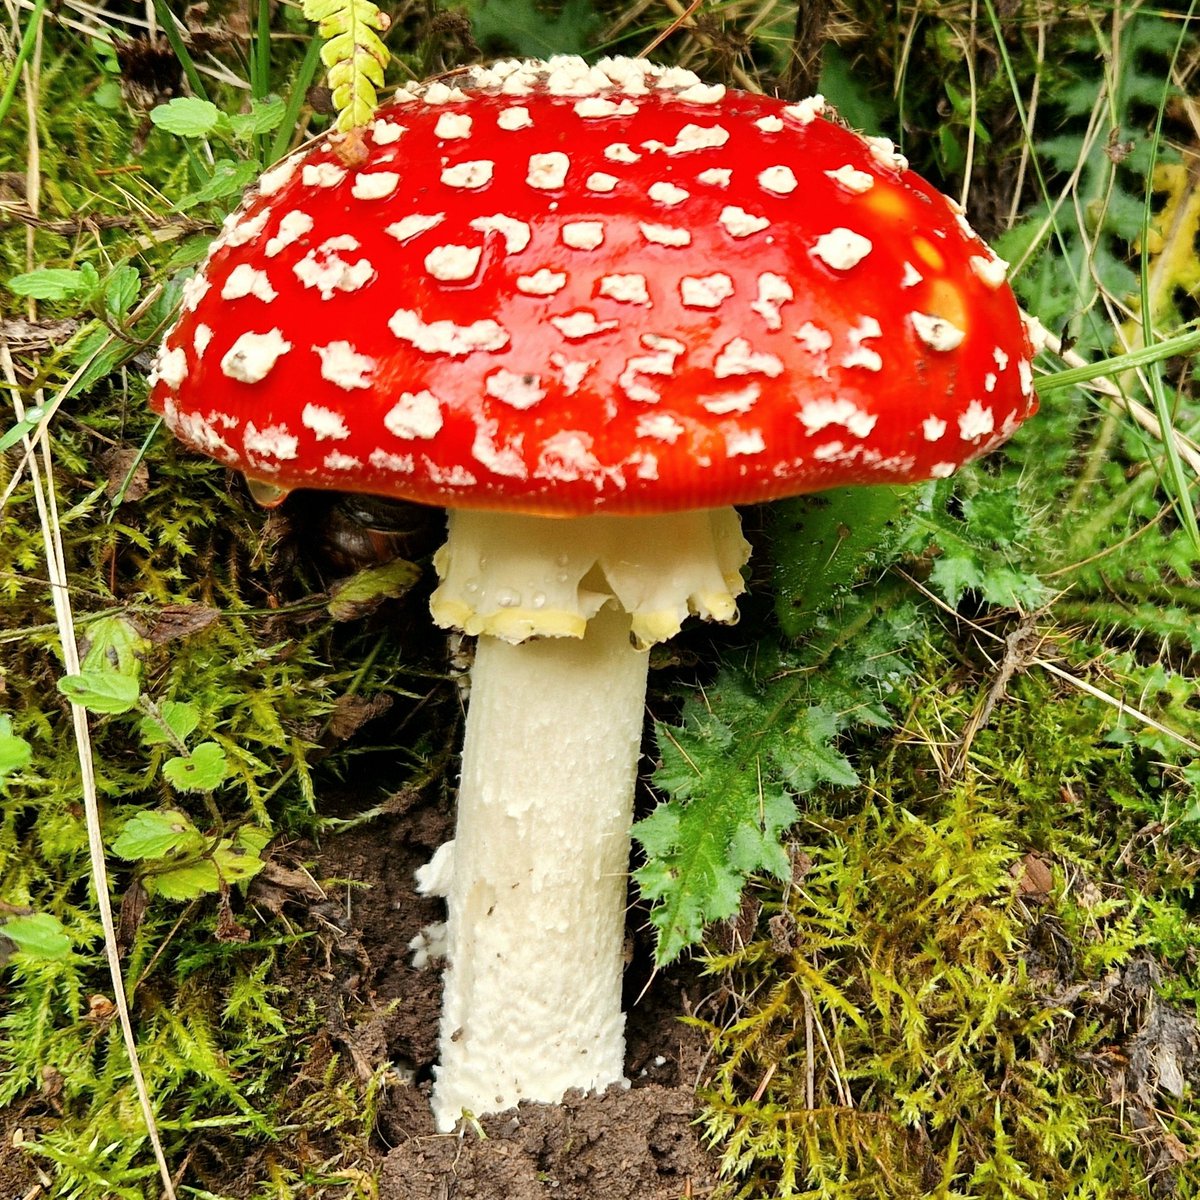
[732, 768]
[102, 352]
[102, 691]
[239, 860]
[953, 574]
[186, 116]
[809, 757]
[15, 752]
[229, 178]
[113, 643]
[825, 544]
[365, 591]
[722, 823]
[108, 95]
[180, 718]
[264, 116]
[121, 289]
[39, 935]
[186, 882]
[50, 283]
[234, 860]
[155, 834]
[202, 771]
[353, 53]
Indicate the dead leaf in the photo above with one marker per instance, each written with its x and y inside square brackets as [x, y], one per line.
[1034, 877]
[101, 1010]
[28, 337]
[228, 929]
[176, 621]
[783, 933]
[126, 475]
[276, 885]
[351, 713]
[133, 910]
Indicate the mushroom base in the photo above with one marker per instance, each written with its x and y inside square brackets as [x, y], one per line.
[513, 577]
[535, 878]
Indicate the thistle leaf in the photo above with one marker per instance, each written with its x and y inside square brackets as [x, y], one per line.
[760, 738]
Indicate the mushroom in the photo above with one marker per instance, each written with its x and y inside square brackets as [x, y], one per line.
[587, 309]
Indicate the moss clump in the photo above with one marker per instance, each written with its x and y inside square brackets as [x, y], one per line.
[987, 990]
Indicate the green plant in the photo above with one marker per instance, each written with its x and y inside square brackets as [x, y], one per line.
[940, 832]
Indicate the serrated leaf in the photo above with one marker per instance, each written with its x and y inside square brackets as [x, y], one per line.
[263, 117]
[228, 179]
[50, 283]
[809, 756]
[363, 592]
[954, 574]
[1007, 587]
[102, 691]
[187, 116]
[179, 716]
[39, 935]
[825, 544]
[732, 768]
[15, 752]
[202, 771]
[155, 834]
[121, 289]
[720, 826]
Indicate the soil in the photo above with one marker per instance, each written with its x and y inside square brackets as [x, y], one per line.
[630, 1142]
[19, 1176]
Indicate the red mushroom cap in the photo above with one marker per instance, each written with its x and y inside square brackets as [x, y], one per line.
[548, 287]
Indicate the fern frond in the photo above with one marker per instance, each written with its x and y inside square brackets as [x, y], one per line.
[354, 55]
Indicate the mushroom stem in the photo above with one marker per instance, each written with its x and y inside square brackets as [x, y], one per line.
[536, 893]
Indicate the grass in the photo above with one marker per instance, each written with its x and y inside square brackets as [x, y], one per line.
[979, 976]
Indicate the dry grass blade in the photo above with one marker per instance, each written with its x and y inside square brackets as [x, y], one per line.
[42, 478]
[1043, 339]
[1057, 671]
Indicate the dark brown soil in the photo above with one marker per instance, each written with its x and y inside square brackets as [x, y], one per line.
[19, 1176]
[629, 1142]
[636, 1144]
[377, 1010]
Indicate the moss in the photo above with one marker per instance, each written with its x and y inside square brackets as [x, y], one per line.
[923, 1012]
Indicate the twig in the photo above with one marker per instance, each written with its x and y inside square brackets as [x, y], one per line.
[678, 23]
[1020, 649]
[1057, 671]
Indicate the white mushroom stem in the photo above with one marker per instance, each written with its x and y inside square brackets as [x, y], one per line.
[536, 897]
[535, 878]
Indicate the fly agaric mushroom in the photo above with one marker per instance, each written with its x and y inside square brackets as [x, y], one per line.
[587, 309]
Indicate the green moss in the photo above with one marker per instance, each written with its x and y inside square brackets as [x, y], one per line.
[912, 1019]
[909, 1018]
